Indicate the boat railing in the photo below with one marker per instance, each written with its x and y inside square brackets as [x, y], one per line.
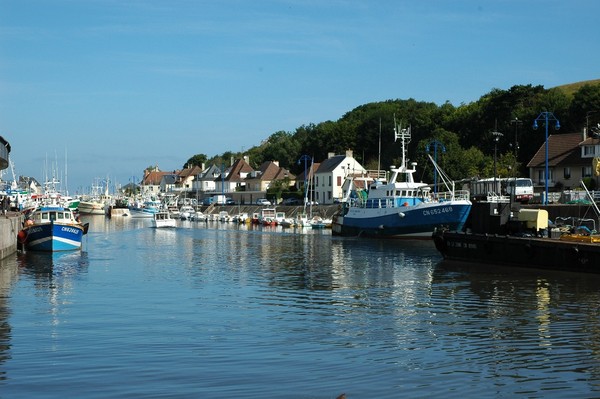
[575, 222]
[449, 195]
[497, 198]
[375, 174]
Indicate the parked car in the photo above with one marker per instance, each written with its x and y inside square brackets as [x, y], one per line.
[229, 201]
[263, 201]
[309, 202]
[207, 201]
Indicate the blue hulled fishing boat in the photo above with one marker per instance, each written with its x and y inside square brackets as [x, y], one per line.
[52, 228]
[399, 207]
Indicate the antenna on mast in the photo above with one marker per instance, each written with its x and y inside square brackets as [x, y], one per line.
[404, 135]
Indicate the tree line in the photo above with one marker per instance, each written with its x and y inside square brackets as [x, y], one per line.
[465, 134]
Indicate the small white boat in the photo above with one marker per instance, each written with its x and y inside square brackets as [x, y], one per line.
[163, 219]
[186, 212]
[198, 216]
[241, 218]
[224, 216]
[320, 223]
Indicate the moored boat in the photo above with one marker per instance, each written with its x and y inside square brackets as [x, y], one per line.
[92, 206]
[527, 239]
[163, 219]
[52, 228]
[399, 207]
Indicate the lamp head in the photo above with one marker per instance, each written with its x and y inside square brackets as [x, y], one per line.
[535, 125]
[557, 126]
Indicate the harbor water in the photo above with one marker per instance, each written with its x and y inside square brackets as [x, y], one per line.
[225, 311]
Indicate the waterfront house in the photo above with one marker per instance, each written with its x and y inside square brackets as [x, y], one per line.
[205, 180]
[266, 174]
[235, 177]
[570, 159]
[185, 178]
[151, 182]
[168, 182]
[330, 176]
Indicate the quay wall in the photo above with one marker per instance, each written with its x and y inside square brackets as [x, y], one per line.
[9, 227]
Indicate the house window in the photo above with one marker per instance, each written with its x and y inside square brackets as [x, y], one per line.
[567, 173]
[329, 195]
[316, 180]
[589, 150]
[339, 181]
[541, 175]
[586, 171]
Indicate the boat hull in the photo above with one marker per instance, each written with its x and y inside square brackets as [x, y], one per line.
[402, 222]
[53, 237]
[142, 212]
[91, 208]
[530, 252]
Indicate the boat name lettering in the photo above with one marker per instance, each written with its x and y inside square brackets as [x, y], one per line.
[457, 244]
[70, 230]
[35, 230]
[437, 211]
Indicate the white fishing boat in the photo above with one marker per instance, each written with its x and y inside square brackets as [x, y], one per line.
[163, 219]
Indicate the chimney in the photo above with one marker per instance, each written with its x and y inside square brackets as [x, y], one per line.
[349, 153]
[330, 155]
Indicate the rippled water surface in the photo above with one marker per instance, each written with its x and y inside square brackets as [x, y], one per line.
[221, 311]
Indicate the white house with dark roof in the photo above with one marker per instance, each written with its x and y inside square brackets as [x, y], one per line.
[328, 180]
[206, 180]
[235, 177]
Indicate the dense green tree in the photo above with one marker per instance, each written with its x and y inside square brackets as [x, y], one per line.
[466, 131]
[196, 160]
[585, 106]
[281, 147]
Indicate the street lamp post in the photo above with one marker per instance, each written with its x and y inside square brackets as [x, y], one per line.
[497, 136]
[435, 144]
[516, 122]
[546, 117]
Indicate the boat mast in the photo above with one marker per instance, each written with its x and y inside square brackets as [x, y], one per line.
[403, 134]
[379, 160]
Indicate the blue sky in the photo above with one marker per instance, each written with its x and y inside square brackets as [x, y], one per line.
[115, 86]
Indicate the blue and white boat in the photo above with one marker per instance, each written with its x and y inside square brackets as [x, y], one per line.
[145, 210]
[52, 228]
[399, 207]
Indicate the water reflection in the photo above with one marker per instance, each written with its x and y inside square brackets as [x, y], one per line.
[222, 310]
[8, 277]
[523, 317]
[50, 266]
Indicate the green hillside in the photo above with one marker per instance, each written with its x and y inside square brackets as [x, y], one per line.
[570, 88]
